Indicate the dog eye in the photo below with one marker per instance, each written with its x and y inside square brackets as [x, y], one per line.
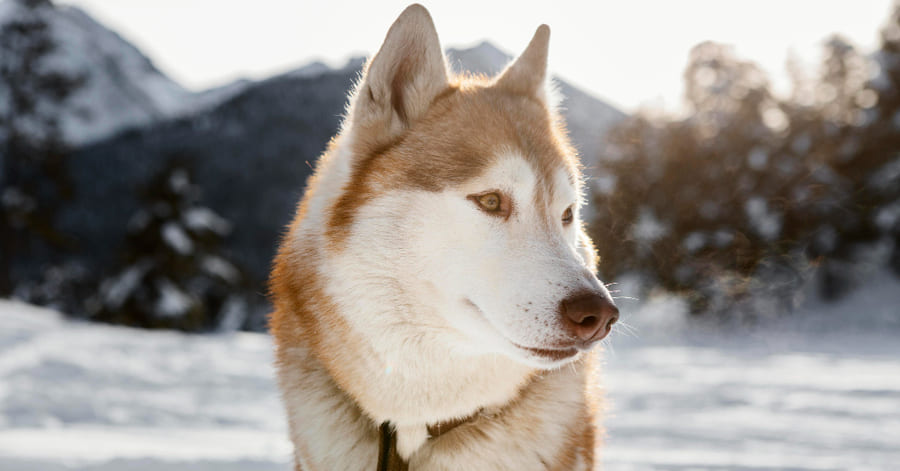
[493, 203]
[567, 216]
[489, 202]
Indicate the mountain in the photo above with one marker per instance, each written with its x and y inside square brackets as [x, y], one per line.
[249, 146]
[249, 155]
[118, 87]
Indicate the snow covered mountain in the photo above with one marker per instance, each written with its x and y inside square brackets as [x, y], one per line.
[118, 87]
[272, 131]
[250, 145]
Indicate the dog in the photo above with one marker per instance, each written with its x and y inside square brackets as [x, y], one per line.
[435, 298]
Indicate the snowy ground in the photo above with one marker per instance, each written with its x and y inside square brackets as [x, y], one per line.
[77, 396]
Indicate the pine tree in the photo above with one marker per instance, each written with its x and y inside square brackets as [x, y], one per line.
[33, 179]
[879, 155]
[173, 271]
[860, 224]
[750, 194]
[696, 201]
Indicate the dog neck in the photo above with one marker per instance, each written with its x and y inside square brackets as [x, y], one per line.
[389, 458]
[384, 348]
[393, 371]
[416, 383]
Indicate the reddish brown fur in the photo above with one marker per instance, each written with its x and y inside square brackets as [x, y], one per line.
[446, 147]
[464, 128]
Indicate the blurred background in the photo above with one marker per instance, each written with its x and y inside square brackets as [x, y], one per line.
[743, 169]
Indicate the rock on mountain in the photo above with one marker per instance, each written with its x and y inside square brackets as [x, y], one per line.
[120, 87]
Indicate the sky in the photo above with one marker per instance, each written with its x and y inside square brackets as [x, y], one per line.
[629, 53]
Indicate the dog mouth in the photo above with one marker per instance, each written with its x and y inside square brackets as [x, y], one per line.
[550, 354]
[553, 354]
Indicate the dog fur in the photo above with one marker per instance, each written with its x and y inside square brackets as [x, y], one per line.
[421, 279]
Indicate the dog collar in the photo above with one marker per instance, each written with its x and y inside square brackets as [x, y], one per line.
[390, 460]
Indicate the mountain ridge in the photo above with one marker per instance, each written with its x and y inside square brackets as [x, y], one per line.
[249, 145]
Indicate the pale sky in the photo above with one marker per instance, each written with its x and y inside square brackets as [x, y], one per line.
[628, 52]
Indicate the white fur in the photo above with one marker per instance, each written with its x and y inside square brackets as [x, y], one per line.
[436, 250]
[438, 311]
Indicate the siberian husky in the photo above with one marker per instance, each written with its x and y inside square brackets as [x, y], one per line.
[435, 297]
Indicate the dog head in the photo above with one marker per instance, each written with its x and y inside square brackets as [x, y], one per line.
[462, 200]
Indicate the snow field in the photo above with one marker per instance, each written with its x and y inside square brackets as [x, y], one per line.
[793, 395]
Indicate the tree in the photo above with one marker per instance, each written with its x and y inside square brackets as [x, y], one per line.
[878, 160]
[173, 272]
[32, 175]
[750, 195]
[695, 199]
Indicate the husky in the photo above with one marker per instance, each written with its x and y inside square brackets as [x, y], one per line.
[435, 298]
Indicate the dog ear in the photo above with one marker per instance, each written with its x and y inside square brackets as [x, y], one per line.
[402, 79]
[527, 75]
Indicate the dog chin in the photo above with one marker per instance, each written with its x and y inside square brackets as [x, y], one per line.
[537, 357]
[546, 358]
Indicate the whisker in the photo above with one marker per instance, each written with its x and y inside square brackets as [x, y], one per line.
[607, 345]
[626, 329]
[626, 333]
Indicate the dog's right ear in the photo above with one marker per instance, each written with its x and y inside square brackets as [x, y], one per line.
[401, 80]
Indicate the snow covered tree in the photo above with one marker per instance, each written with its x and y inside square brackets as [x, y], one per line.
[697, 201]
[750, 195]
[858, 203]
[173, 271]
[878, 160]
[32, 175]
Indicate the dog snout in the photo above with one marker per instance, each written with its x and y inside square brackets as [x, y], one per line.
[588, 316]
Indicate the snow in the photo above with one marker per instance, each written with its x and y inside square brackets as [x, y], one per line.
[648, 227]
[765, 221]
[887, 176]
[87, 396]
[722, 238]
[694, 242]
[200, 219]
[758, 158]
[313, 69]
[815, 391]
[172, 301]
[122, 88]
[118, 289]
[218, 266]
[888, 216]
[176, 238]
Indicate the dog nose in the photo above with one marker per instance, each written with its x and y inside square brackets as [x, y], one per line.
[588, 316]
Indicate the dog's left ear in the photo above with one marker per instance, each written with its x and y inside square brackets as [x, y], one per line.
[402, 79]
[527, 75]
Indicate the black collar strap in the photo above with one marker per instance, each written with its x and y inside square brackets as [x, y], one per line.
[388, 459]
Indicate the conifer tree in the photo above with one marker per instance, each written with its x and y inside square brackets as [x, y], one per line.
[751, 195]
[174, 273]
[33, 179]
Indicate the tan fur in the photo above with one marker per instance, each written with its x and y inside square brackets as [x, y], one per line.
[413, 128]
